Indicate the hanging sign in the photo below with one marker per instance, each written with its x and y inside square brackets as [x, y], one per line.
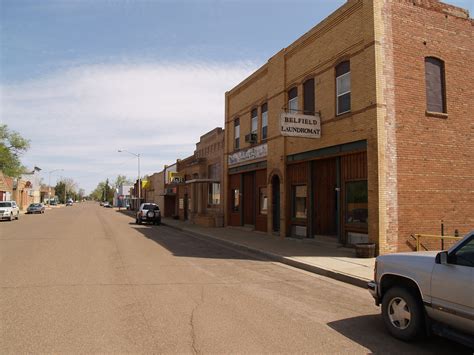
[299, 125]
[253, 153]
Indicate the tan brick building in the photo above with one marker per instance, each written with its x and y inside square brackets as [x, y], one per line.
[193, 185]
[392, 153]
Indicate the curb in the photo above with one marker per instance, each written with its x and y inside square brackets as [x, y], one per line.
[279, 258]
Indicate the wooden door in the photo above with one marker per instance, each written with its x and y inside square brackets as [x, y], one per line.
[324, 175]
[249, 198]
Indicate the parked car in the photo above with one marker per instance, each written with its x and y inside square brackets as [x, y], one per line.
[69, 202]
[9, 210]
[35, 208]
[148, 212]
[428, 292]
[107, 205]
[53, 203]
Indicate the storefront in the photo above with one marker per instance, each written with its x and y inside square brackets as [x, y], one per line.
[248, 190]
[327, 194]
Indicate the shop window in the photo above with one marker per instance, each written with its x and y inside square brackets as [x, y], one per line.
[357, 206]
[299, 201]
[264, 121]
[214, 193]
[237, 133]
[254, 119]
[263, 200]
[308, 97]
[235, 195]
[293, 100]
[435, 85]
[343, 88]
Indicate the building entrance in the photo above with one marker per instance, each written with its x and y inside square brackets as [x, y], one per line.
[276, 203]
[325, 196]
[249, 198]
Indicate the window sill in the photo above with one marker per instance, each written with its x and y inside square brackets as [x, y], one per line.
[343, 115]
[436, 114]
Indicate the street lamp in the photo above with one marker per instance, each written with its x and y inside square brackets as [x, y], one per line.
[139, 182]
[49, 184]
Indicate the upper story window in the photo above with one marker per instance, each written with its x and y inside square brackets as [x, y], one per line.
[435, 85]
[343, 88]
[237, 133]
[308, 97]
[293, 100]
[264, 121]
[254, 119]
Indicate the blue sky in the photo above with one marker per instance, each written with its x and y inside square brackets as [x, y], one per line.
[82, 79]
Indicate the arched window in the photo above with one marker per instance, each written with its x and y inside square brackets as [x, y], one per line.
[435, 85]
[343, 88]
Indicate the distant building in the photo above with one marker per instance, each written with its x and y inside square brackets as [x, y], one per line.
[122, 196]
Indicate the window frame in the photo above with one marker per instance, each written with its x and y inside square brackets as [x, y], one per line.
[260, 210]
[349, 92]
[442, 80]
[293, 202]
[313, 97]
[264, 113]
[237, 133]
[235, 208]
[211, 192]
[254, 119]
[292, 99]
[359, 225]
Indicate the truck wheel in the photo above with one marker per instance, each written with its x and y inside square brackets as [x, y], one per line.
[402, 313]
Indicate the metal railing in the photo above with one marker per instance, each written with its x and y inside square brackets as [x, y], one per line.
[442, 238]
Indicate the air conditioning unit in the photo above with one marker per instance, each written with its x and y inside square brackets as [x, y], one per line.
[251, 138]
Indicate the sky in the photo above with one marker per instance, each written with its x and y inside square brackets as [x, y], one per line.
[82, 79]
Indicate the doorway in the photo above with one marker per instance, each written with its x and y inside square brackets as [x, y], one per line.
[276, 203]
[324, 179]
[185, 203]
[249, 198]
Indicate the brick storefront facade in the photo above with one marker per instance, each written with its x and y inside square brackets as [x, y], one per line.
[380, 172]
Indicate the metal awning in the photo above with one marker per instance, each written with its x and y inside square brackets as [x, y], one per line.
[195, 181]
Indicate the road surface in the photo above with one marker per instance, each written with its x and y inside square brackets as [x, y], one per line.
[87, 279]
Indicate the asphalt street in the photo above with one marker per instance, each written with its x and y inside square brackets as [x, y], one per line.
[87, 279]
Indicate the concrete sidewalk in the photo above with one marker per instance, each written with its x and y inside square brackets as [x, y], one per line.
[310, 255]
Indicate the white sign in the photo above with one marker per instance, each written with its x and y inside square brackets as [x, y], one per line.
[298, 125]
[257, 152]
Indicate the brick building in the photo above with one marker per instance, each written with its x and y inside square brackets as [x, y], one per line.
[359, 130]
[196, 182]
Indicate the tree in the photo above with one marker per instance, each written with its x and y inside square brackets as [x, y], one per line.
[12, 146]
[60, 190]
[122, 180]
[66, 188]
[98, 192]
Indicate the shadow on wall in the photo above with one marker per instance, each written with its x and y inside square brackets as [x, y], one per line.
[365, 330]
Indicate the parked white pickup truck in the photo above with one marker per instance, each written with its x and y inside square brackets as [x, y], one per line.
[428, 292]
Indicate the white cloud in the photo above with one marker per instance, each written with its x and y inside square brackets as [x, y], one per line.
[77, 119]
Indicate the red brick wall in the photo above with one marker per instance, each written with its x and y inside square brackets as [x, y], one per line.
[435, 155]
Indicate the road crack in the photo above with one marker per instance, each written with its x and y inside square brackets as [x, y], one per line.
[191, 322]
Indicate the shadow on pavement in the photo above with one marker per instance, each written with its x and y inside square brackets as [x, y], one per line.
[181, 244]
[369, 331]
